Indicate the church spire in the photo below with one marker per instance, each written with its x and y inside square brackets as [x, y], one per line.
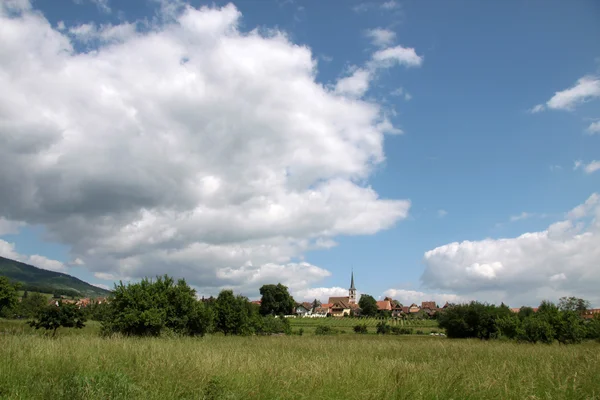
[352, 290]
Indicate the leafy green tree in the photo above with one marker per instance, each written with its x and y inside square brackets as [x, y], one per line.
[32, 304]
[572, 328]
[477, 320]
[368, 305]
[64, 315]
[276, 300]
[360, 328]
[525, 312]
[149, 307]
[573, 304]
[8, 294]
[233, 314]
[536, 329]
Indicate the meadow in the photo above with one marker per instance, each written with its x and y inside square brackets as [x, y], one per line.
[79, 364]
[346, 325]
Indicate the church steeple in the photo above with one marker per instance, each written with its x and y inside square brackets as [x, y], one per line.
[352, 290]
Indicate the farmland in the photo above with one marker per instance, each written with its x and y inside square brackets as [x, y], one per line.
[79, 364]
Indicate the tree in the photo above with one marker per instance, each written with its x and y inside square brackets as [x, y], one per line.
[525, 312]
[149, 307]
[8, 294]
[368, 305]
[316, 303]
[276, 300]
[64, 315]
[573, 304]
[233, 314]
[33, 304]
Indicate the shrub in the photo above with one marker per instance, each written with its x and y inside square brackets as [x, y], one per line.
[400, 330]
[536, 329]
[360, 328]
[383, 328]
[419, 332]
[324, 330]
[53, 317]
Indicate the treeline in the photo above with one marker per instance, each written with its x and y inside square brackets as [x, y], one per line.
[163, 306]
[563, 323]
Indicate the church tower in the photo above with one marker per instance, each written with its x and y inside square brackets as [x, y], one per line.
[352, 291]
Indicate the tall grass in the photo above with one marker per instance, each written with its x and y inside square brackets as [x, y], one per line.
[86, 366]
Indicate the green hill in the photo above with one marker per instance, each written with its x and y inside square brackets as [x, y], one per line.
[40, 280]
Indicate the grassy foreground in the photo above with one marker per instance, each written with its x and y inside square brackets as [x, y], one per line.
[293, 367]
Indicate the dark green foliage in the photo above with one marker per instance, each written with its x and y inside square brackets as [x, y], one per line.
[98, 311]
[64, 315]
[400, 330]
[383, 328]
[268, 325]
[276, 300]
[8, 294]
[360, 328]
[233, 314]
[40, 280]
[536, 329]
[32, 304]
[368, 306]
[593, 328]
[525, 312]
[509, 326]
[472, 320]
[324, 330]
[149, 307]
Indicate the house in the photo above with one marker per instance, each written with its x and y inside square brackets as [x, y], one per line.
[413, 309]
[302, 309]
[340, 306]
[591, 313]
[429, 304]
[320, 311]
[384, 305]
[397, 310]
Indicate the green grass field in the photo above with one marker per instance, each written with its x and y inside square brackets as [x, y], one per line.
[81, 365]
[345, 325]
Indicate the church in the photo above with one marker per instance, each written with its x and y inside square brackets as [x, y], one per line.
[340, 306]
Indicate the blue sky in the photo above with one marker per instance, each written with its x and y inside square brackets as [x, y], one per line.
[474, 160]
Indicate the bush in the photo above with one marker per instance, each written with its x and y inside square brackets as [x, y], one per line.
[324, 330]
[475, 320]
[419, 332]
[360, 328]
[64, 315]
[400, 330]
[383, 328]
[536, 329]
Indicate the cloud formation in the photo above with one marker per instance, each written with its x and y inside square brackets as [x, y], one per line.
[381, 37]
[561, 260]
[7, 250]
[585, 89]
[190, 148]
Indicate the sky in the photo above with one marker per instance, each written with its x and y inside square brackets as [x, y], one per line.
[446, 152]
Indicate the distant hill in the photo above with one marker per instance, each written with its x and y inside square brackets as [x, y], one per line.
[40, 280]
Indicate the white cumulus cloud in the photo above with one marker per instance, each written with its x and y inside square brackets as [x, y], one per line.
[526, 269]
[594, 128]
[191, 147]
[585, 89]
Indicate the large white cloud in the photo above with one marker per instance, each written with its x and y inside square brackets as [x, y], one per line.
[191, 148]
[561, 260]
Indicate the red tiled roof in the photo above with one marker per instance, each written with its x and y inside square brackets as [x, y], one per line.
[428, 304]
[384, 305]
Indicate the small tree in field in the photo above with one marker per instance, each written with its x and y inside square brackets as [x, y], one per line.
[64, 315]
